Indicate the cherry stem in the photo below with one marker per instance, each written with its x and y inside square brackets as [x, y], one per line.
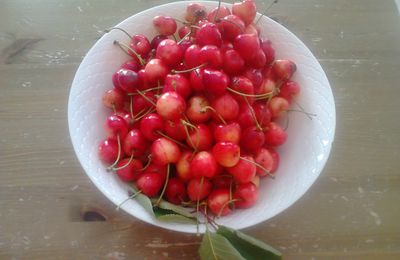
[123, 166]
[253, 114]
[149, 111]
[215, 112]
[182, 22]
[171, 139]
[224, 205]
[145, 91]
[259, 166]
[114, 109]
[266, 10]
[185, 125]
[131, 106]
[184, 37]
[198, 200]
[216, 13]
[287, 121]
[309, 115]
[124, 47]
[250, 95]
[147, 164]
[188, 70]
[144, 96]
[129, 198]
[119, 153]
[117, 28]
[164, 188]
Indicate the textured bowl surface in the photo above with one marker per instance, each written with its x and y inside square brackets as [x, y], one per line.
[303, 156]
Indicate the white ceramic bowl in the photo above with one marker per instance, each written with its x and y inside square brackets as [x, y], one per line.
[303, 156]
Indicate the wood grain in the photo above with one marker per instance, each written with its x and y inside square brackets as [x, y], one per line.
[351, 212]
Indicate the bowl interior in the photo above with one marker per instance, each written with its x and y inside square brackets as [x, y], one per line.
[303, 156]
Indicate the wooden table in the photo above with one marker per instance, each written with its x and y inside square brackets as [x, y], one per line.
[50, 210]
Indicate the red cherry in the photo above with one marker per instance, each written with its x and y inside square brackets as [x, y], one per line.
[218, 13]
[197, 79]
[268, 86]
[278, 106]
[141, 104]
[113, 98]
[116, 125]
[183, 166]
[140, 44]
[203, 164]
[175, 191]
[184, 31]
[134, 143]
[155, 71]
[255, 76]
[222, 181]
[156, 41]
[264, 158]
[129, 172]
[227, 154]
[218, 202]
[226, 107]
[170, 105]
[169, 52]
[197, 110]
[233, 63]
[211, 55]
[108, 150]
[150, 184]
[215, 81]
[178, 83]
[164, 151]
[200, 138]
[195, 12]
[284, 69]
[244, 86]
[150, 125]
[247, 195]
[246, 10]
[126, 80]
[244, 171]
[175, 129]
[192, 56]
[288, 90]
[252, 139]
[275, 159]
[258, 59]
[157, 169]
[133, 65]
[262, 113]
[165, 25]
[246, 45]
[231, 26]
[208, 34]
[228, 133]
[275, 135]
[198, 188]
[269, 51]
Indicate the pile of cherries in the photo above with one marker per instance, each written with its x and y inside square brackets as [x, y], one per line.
[194, 110]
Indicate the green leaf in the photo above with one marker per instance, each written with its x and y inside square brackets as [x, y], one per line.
[170, 215]
[144, 201]
[216, 247]
[176, 218]
[175, 208]
[249, 247]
